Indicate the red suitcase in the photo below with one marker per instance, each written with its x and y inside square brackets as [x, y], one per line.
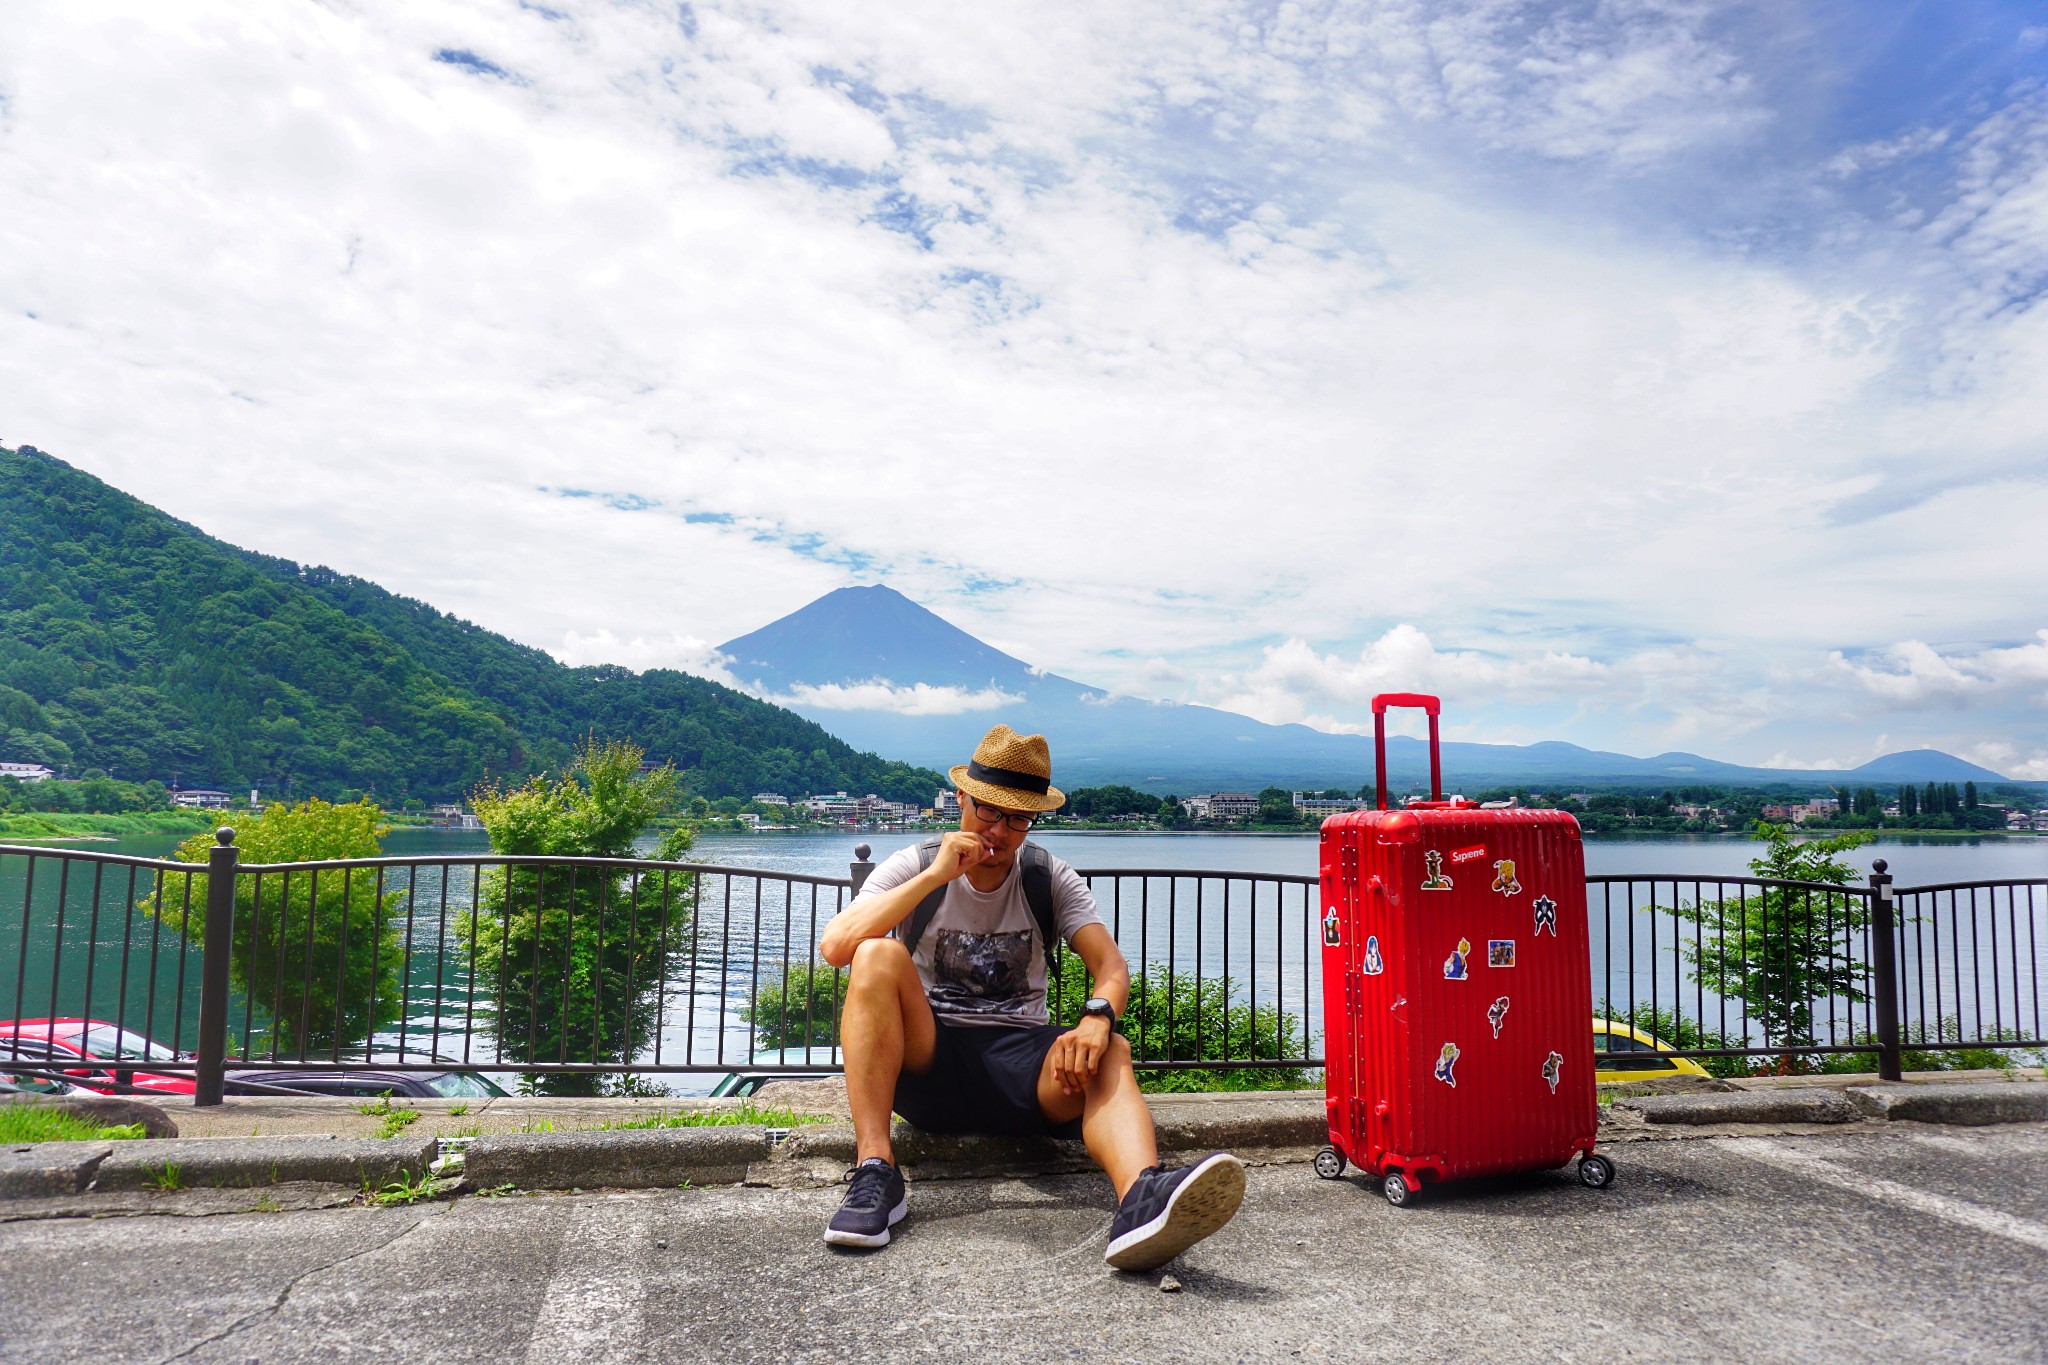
[1457, 988]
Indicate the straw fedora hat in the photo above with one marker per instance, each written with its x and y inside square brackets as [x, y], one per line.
[1012, 771]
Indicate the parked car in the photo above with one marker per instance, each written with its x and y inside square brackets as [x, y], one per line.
[1622, 1052]
[747, 1082]
[453, 1084]
[93, 1054]
[31, 1083]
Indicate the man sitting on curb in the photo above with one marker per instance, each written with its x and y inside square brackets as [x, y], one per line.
[945, 1018]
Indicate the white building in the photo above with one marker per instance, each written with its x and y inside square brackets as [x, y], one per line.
[1310, 804]
[837, 806]
[1197, 807]
[946, 804]
[200, 798]
[26, 772]
[1233, 806]
[770, 799]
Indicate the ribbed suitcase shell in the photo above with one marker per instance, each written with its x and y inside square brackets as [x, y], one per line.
[1394, 1105]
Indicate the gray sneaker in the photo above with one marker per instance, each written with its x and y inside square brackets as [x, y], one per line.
[875, 1202]
[1166, 1212]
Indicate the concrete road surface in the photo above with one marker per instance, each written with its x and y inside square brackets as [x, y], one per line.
[1911, 1244]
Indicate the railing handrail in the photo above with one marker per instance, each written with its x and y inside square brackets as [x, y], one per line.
[534, 860]
[1968, 886]
[1291, 878]
[1701, 879]
[95, 856]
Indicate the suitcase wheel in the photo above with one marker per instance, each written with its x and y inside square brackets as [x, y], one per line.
[1329, 1163]
[1595, 1172]
[1395, 1187]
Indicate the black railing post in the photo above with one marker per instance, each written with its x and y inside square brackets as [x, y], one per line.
[213, 967]
[859, 869]
[1884, 966]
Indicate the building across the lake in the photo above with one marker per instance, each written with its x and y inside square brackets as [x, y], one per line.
[200, 798]
[26, 772]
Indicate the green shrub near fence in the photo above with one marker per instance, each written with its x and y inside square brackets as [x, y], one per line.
[1171, 1017]
[322, 954]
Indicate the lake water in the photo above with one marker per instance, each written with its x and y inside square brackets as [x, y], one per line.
[1262, 936]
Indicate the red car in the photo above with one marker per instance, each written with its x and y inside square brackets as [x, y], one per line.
[93, 1053]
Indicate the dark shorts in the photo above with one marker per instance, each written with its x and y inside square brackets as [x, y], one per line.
[983, 1080]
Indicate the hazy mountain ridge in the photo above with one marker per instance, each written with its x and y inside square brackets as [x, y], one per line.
[865, 635]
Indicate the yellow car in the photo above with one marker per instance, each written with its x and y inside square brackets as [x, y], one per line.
[1622, 1052]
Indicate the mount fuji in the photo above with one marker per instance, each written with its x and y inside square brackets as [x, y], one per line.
[887, 675]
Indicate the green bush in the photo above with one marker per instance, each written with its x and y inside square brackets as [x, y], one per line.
[798, 1010]
[574, 960]
[1916, 1054]
[322, 955]
[1171, 1018]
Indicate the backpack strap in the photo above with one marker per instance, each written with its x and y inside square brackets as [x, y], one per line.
[1036, 871]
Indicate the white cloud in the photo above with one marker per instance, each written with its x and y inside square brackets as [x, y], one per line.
[918, 699]
[1136, 336]
[685, 653]
[1912, 673]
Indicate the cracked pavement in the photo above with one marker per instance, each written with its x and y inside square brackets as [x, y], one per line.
[1914, 1243]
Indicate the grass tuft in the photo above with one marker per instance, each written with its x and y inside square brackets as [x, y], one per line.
[742, 1115]
[21, 1123]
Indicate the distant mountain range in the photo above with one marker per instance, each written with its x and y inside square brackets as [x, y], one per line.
[883, 673]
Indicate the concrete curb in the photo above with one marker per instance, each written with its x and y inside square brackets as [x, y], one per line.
[223, 1163]
[46, 1170]
[1767, 1106]
[639, 1158]
[1964, 1105]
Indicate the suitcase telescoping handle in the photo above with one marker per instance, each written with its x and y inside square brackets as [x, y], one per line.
[1379, 739]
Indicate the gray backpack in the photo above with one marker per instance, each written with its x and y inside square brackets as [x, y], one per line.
[1035, 868]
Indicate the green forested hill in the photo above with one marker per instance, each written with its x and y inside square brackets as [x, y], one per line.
[134, 643]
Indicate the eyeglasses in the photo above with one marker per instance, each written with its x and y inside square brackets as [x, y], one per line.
[989, 815]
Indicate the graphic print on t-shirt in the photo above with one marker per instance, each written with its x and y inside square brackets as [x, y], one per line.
[982, 973]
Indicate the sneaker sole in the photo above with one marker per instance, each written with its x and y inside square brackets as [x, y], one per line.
[837, 1238]
[1204, 1202]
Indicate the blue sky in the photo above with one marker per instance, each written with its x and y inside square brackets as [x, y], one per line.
[1651, 375]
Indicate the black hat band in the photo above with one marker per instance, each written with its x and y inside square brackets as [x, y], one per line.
[1004, 777]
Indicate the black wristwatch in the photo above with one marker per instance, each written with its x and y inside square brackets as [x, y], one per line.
[1103, 1009]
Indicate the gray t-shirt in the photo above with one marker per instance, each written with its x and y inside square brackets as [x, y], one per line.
[980, 959]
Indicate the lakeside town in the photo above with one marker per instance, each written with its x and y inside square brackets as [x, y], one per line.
[30, 789]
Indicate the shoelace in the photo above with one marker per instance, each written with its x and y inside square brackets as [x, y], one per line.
[867, 1187]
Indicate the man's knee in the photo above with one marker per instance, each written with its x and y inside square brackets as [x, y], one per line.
[878, 964]
[1116, 1059]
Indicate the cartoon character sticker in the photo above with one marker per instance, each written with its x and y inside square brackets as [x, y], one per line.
[1504, 878]
[1332, 937]
[1552, 1066]
[1454, 965]
[1446, 1060]
[1497, 1014]
[1433, 878]
[1373, 965]
[1500, 952]
[1546, 915]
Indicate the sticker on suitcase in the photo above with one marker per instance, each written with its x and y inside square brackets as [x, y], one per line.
[1373, 963]
[1552, 1066]
[1504, 878]
[1546, 915]
[1433, 878]
[1332, 935]
[1497, 1014]
[1500, 952]
[1454, 965]
[1446, 1061]
[1472, 853]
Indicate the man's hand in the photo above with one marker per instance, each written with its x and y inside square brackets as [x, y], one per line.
[958, 852]
[1078, 1052]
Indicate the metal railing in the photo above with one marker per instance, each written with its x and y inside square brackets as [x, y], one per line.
[557, 967]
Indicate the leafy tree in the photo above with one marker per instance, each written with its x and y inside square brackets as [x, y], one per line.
[1781, 949]
[1276, 807]
[574, 956]
[800, 1008]
[321, 954]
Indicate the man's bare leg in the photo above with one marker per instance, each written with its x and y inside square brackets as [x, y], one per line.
[1115, 1123]
[885, 1029]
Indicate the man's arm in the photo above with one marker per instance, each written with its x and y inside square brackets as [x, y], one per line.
[1078, 1052]
[873, 916]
